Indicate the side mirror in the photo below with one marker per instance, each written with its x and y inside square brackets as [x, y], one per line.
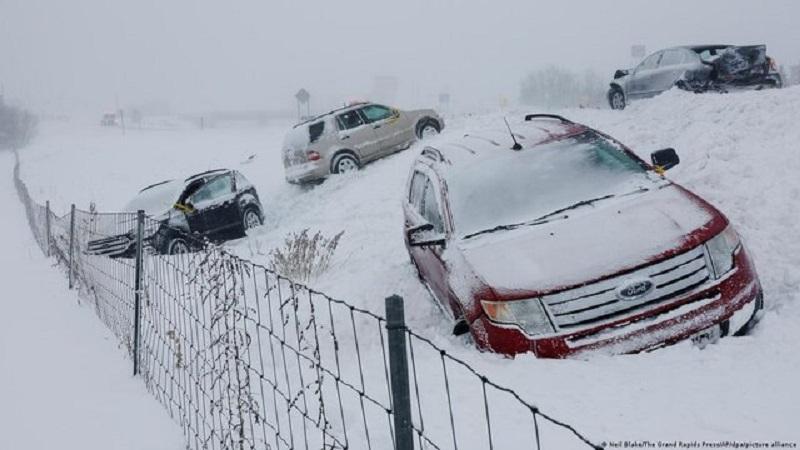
[620, 73]
[424, 235]
[185, 207]
[664, 160]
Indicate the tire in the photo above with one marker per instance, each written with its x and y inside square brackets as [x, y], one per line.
[748, 327]
[177, 246]
[344, 163]
[251, 219]
[616, 98]
[427, 128]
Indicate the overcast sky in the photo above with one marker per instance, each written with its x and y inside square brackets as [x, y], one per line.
[198, 55]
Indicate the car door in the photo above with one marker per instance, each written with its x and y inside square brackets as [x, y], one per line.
[355, 134]
[389, 126]
[215, 211]
[643, 82]
[670, 69]
[425, 206]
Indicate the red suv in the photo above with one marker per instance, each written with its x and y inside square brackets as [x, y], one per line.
[556, 239]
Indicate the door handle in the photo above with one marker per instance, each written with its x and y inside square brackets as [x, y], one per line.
[346, 137]
[376, 127]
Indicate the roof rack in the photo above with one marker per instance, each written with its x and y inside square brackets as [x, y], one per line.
[333, 111]
[207, 172]
[530, 117]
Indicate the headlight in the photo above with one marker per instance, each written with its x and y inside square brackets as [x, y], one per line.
[526, 314]
[721, 248]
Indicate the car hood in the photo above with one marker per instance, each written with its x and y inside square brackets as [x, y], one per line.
[623, 79]
[156, 200]
[594, 242]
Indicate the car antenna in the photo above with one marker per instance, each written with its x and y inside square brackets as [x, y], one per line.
[516, 145]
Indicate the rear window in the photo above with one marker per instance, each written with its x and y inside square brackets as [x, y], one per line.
[417, 186]
[315, 131]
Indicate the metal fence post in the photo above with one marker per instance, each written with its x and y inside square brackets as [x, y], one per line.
[71, 243]
[398, 366]
[47, 228]
[137, 293]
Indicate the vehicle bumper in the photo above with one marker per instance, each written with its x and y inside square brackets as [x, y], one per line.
[728, 303]
[770, 80]
[307, 172]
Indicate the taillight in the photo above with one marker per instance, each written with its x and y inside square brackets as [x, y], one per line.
[313, 156]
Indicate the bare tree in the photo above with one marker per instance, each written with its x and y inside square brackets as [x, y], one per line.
[555, 87]
[17, 126]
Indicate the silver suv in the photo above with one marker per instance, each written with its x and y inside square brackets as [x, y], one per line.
[345, 139]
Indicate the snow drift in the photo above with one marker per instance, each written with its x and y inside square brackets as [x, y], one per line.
[738, 151]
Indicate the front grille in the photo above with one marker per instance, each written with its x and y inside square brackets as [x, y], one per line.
[598, 302]
[111, 246]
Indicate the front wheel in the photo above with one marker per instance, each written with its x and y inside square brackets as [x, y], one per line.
[251, 219]
[428, 129]
[616, 99]
[754, 319]
[177, 246]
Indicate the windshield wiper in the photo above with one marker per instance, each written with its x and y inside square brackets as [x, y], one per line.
[506, 227]
[545, 218]
[548, 217]
[575, 205]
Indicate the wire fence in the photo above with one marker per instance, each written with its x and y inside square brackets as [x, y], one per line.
[243, 358]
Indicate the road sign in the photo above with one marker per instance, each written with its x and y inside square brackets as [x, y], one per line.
[638, 51]
[302, 96]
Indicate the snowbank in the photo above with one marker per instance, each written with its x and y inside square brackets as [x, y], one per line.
[737, 150]
[64, 384]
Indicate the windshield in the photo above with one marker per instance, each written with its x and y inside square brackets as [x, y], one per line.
[517, 187]
[156, 199]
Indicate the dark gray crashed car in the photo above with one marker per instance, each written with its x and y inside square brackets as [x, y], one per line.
[698, 68]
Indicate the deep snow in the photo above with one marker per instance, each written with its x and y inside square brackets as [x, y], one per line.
[739, 151]
[64, 381]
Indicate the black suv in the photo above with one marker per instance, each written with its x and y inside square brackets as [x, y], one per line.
[217, 205]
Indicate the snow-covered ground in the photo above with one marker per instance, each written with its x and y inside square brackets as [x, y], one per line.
[64, 381]
[737, 150]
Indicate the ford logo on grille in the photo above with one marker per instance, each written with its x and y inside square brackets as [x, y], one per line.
[634, 289]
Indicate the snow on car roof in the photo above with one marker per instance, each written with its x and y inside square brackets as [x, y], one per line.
[349, 106]
[496, 142]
